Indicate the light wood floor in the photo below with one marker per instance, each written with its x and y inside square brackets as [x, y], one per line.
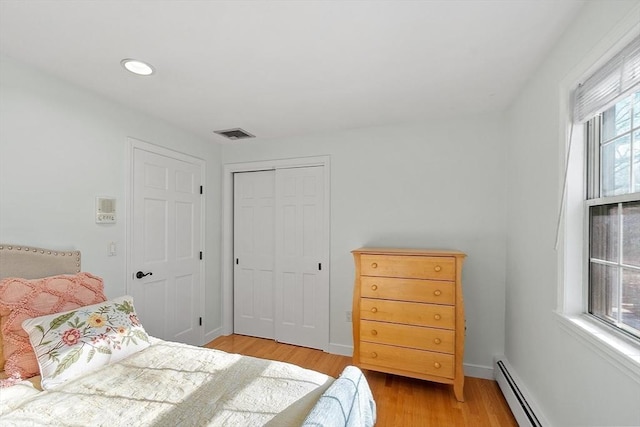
[400, 401]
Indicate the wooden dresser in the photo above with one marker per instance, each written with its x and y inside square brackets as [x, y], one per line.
[408, 314]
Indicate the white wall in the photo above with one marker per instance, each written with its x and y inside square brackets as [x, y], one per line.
[438, 184]
[434, 185]
[60, 147]
[572, 384]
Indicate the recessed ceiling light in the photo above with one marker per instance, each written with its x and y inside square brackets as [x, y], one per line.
[137, 67]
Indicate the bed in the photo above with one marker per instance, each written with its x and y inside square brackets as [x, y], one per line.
[93, 364]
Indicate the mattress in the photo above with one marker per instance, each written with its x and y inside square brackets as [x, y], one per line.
[172, 384]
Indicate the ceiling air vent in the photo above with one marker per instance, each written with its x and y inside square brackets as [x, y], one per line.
[234, 134]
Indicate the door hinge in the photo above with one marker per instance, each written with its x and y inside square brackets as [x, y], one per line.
[237, 261]
[201, 189]
[201, 321]
[319, 266]
[200, 254]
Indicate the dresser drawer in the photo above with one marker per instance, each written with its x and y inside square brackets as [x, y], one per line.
[419, 337]
[417, 290]
[410, 313]
[407, 359]
[410, 267]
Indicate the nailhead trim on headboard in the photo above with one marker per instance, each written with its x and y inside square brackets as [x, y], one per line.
[45, 252]
[42, 251]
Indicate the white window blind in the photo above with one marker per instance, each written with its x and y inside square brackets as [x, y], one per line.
[618, 76]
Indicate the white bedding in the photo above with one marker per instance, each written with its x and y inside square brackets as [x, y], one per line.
[171, 384]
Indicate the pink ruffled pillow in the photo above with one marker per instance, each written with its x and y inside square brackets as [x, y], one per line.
[22, 299]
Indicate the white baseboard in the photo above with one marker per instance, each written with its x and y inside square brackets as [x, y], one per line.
[212, 335]
[341, 349]
[478, 371]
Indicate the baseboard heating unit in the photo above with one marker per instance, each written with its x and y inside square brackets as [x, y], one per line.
[514, 396]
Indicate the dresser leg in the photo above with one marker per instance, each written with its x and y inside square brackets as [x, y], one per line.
[458, 390]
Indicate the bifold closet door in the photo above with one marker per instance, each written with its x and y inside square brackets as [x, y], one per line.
[253, 241]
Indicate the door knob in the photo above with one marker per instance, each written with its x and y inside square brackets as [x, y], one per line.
[140, 274]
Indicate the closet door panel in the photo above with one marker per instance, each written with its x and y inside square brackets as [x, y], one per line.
[302, 286]
[254, 242]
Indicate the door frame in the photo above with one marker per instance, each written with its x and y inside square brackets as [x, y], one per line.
[134, 144]
[227, 224]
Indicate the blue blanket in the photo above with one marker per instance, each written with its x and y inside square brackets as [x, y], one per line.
[348, 402]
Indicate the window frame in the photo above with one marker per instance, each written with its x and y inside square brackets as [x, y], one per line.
[612, 346]
[592, 142]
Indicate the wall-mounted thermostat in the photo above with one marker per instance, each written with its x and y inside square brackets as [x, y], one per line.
[105, 210]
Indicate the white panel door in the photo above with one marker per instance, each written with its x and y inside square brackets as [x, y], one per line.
[166, 245]
[253, 294]
[302, 285]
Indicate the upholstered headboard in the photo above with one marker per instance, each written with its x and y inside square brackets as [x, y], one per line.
[28, 262]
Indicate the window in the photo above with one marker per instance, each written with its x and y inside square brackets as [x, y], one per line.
[598, 238]
[613, 204]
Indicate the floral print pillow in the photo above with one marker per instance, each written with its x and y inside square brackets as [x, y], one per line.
[76, 342]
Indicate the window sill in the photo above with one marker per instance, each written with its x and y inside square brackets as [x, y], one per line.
[621, 352]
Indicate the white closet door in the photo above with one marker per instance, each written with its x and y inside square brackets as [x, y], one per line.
[254, 226]
[302, 284]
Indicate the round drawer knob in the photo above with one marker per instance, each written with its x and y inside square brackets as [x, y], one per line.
[374, 265]
[437, 341]
[374, 287]
[374, 354]
[437, 317]
[374, 310]
[437, 268]
[437, 365]
[374, 332]
[437, 293]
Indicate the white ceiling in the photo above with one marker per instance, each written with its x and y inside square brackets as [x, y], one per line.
[283, 68]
